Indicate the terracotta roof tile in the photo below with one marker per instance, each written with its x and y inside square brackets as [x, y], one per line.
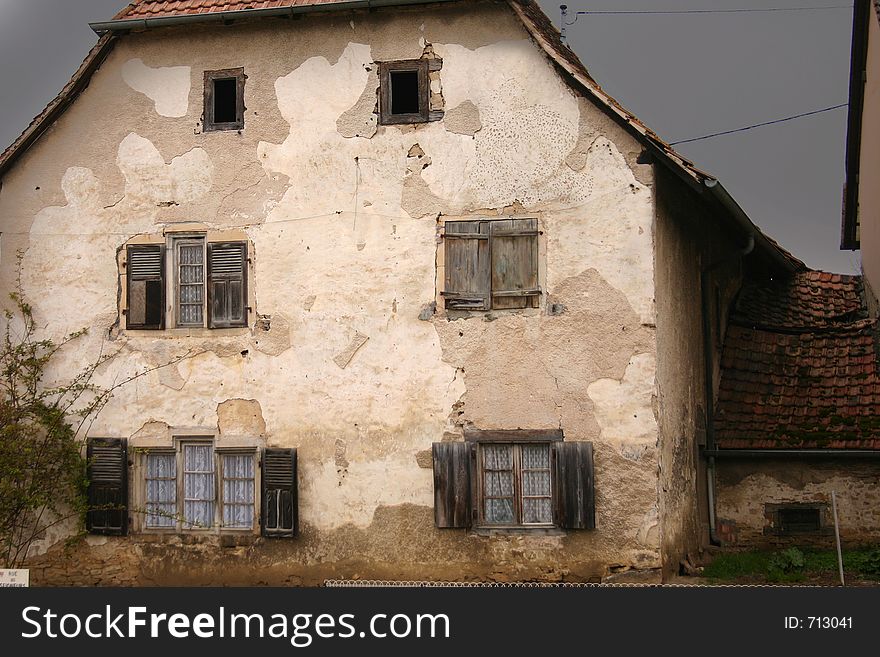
[800, 367]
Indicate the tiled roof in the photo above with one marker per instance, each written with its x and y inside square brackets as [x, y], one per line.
[800, 367]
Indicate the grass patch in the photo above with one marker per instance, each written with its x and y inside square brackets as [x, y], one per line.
[793, 565]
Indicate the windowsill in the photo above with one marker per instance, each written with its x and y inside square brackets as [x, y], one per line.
[489, 315]
[517, 531]
[186, 332]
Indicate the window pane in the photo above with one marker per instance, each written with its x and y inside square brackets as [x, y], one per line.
[498, 484]
[198, 485]
[498, 457]
[537, 510]
[536, 457]
[499, 511]
[190, 283]
[238, 490]
[161, 492]
[536, 483]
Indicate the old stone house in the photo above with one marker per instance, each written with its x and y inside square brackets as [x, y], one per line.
[417, 298]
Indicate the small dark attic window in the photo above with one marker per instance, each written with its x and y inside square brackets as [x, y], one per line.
[403, 92]
[224, 99]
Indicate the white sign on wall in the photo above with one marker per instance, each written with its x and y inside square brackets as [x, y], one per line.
[14, 578]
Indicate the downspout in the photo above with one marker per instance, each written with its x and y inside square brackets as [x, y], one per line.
[709, 374]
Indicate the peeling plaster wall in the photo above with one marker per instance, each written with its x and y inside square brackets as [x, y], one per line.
[341, 359]
[746, 486]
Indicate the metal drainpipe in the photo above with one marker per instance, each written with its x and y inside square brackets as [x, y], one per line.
[710, 378]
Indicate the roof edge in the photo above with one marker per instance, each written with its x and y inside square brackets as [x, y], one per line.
[122, 24]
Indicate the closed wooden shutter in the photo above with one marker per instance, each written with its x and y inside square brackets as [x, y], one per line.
[280, 516]
[468, 276]
[454, 465]
[146, 287]
[514, 249]
[107, 460]
[574, 495]
[227, 288]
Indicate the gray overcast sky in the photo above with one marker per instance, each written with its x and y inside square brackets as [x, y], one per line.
[683, 75]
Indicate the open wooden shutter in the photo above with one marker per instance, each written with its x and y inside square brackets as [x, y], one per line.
[453, 491]
[227, 286]
[574, 496]
[468, 275]
[146, 287]
[514, 249]
[107, 460]
[280, 516]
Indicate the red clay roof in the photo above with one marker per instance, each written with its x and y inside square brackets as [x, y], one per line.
[800, 367]
[157, 8]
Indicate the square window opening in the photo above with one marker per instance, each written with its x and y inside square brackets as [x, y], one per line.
[224, 100]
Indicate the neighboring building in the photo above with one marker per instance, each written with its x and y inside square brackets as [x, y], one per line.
[418, 299]
[798, 413]
[861, 206]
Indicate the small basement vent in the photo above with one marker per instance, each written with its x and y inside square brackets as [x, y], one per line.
[799, 520]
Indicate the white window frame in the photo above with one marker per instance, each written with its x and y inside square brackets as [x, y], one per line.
[181, 525]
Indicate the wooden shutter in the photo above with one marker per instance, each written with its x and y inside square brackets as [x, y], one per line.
[107, 460]
[227, 284]
[468, 274]
[514, 249]
[146, 287]
[574, 496]
[280, 516]
[453, 491]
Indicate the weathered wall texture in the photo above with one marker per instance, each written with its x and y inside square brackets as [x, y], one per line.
[869, 167]
[342, 215]
[745, 488]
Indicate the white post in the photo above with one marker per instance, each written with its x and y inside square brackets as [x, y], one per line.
[837, 537]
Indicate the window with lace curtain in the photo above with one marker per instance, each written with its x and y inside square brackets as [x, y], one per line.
[199, 487]
[516, 484]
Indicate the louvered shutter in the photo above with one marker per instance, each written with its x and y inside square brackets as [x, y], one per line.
[466, 246]
[574, 495]
[280, 516]
[514, 249]
[146, 287]
[107, 460]
[453, 491]
[227, 288]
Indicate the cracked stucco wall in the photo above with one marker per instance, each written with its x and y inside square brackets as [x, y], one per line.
[342, 217]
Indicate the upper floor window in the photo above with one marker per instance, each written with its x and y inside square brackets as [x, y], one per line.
[224, 100]
[491, 265]
[207, 286]
[404, 92]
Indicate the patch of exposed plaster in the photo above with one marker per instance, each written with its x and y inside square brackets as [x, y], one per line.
[425, 459]
[623, 407]
[344, 357]
[170, 376]
[649, 531]
[463, 119]
[361, 119]
[168, 87]
[240, 417]
[272, 337]
[150, 181]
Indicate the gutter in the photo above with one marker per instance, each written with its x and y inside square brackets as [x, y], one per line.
[857, 73]
[127, 24]
[798, 453]
[708, 361]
